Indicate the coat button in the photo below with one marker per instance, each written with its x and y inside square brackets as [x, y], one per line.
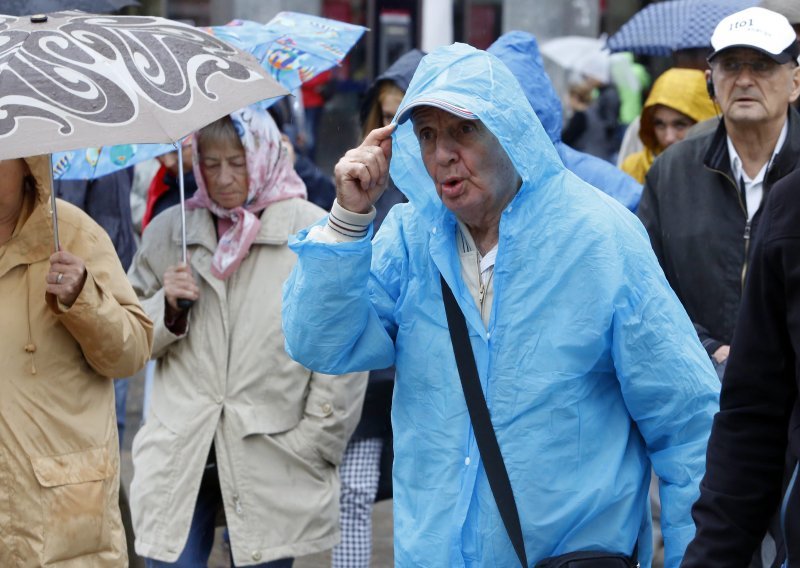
[327, 408]
[218, 400]
[256, 556]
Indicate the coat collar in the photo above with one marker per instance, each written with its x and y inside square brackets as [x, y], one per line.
[277, 223]
[718, 158]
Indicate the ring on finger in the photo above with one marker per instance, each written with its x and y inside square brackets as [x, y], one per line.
[59, 277]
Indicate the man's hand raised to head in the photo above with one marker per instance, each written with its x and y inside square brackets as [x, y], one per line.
[362, 174]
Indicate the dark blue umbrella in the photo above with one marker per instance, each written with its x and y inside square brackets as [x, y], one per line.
[664, 27]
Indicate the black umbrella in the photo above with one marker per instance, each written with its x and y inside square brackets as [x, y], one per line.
[24, 7]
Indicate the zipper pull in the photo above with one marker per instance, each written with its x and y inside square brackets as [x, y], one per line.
[237, 505]
[481, 292]
[747, 231]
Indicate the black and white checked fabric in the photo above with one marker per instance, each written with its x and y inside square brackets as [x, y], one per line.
[663, 27]
[359, 473]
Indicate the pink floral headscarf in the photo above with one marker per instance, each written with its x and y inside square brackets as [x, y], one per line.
[271, 178]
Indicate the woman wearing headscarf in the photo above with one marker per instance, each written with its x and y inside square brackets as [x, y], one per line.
[235, 427]
[70, 324]
[678, 101]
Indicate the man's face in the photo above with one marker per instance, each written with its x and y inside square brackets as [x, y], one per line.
[474, 177]
[751, 88]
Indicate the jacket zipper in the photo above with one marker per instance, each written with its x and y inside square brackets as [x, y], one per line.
[784, 508]
[746, 249]
[747, 225]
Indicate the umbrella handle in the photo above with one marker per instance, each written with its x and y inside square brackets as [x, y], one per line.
[183, 303]
[53, 208]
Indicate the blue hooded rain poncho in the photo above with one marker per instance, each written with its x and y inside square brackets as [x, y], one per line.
[520, 52]
[590, 366]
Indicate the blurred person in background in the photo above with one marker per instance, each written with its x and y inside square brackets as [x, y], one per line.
[520, 52]
[164, 191]
[678, 100]
[234, 426]
[594, 126]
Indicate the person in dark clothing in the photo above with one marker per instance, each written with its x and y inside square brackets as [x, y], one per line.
[702, 196]
[320, 187]
[366, 466]
[752, 462]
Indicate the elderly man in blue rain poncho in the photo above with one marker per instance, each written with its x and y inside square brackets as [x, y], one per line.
[520, 52]
[589, 365]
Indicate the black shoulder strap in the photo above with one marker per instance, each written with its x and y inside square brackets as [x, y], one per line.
[482, 423]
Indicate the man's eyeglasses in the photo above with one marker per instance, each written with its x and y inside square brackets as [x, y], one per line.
[762, 67]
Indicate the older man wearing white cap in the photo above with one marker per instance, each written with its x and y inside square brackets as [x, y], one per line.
[702, 197]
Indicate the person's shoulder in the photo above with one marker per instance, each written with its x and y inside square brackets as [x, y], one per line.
[684, 158]
[163, 224]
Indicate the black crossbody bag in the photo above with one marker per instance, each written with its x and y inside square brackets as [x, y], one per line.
[492, 459]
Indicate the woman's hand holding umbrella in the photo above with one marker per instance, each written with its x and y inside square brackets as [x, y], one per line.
[179, 284]
[66, 277]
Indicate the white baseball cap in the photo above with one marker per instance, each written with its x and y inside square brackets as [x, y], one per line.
[756, 28]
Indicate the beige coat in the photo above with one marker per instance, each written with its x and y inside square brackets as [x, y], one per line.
[59, 458]
[279, 430]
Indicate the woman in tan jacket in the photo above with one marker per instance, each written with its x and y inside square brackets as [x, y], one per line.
[70, 323]
[235, 426]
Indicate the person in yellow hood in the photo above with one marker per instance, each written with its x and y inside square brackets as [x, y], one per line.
[677, 101]
[70, 323]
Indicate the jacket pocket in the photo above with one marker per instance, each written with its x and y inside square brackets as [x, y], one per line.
[300, 444]
[74, 500]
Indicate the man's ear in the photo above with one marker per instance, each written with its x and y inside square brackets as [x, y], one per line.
[710, 84]
[795, 84]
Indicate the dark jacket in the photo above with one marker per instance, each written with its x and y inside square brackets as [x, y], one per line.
[697, 221]
[755, 440]
[107, 200]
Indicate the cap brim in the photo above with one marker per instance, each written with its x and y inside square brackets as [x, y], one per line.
[783, 57]
[405, 112]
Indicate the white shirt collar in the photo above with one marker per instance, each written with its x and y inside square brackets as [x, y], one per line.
[736, 161]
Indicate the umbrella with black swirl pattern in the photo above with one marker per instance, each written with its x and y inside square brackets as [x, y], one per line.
[70, 80]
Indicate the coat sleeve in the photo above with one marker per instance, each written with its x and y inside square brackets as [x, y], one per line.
[106, 319]
[146, 276]
[742, 486]
[669, 388]
[338, 313]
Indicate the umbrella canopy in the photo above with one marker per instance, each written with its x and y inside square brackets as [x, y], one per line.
[292, 47]
[664, 27]
[22, 7]
[76, 80]
[585, 55]
[71, 80]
